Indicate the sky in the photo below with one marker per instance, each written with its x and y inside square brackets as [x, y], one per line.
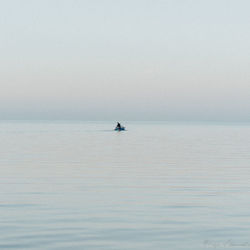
[125, 59]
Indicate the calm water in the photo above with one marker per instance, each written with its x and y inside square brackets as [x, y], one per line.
[80, 185]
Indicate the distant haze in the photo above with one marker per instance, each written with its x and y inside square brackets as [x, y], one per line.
[125, 60]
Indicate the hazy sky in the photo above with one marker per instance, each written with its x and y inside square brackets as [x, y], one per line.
[125, 59]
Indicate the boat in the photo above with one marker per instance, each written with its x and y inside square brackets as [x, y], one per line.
[120, 129]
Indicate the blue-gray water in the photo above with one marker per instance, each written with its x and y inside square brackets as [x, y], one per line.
[80, 185]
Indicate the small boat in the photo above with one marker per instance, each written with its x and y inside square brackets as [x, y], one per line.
[119, 129]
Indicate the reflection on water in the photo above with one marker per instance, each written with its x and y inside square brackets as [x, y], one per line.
[79, 185]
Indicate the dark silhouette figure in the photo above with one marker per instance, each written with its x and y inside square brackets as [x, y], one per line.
[118, 125]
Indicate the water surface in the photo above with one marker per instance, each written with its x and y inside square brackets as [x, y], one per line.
[158, 185]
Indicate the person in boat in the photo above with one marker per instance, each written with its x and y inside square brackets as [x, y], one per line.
[118, 126]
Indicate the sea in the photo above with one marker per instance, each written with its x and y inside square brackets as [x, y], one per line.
[156, 186]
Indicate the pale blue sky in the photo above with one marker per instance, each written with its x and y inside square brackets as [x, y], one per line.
[125, 60]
